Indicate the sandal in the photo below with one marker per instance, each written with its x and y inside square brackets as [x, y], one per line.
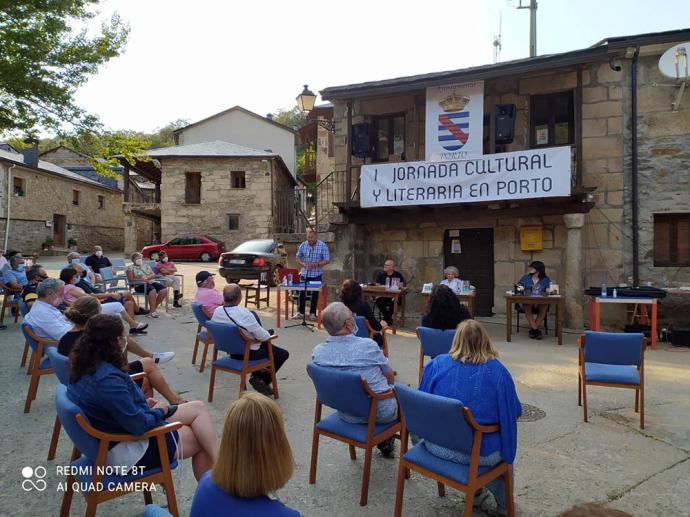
[480, 496]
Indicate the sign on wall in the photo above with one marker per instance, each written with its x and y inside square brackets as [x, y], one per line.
[454, 121]
[528, 174]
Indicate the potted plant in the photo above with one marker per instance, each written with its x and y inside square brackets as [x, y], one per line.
[72, 243]
[47, 244]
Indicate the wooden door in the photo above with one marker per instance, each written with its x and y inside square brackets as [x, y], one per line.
[475, 261]
[58, 230]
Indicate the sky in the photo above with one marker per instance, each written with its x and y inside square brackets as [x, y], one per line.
[190, 59]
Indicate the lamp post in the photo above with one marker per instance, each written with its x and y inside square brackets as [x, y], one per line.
[306, 101]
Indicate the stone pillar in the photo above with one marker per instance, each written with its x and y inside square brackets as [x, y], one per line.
[130, 234]
[574, 288]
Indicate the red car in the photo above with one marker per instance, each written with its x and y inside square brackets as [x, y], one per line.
[187, 247]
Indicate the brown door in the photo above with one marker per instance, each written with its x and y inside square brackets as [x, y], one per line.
[58, 230]
[475, 261]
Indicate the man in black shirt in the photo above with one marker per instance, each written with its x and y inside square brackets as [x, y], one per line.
[35, 275]
[96, 260]
[384, 304]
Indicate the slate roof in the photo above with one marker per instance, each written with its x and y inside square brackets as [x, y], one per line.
[215, 148]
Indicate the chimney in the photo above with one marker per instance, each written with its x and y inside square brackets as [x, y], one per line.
[269, 116]
[31, 153]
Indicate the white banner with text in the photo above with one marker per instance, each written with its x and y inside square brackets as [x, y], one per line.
[529, 174]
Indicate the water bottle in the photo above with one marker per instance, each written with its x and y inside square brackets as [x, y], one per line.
[290, 278]
[388, 282]
[603, 290]
[284, 281]
[615, 293]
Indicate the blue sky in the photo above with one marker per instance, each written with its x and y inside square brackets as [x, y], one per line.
[190, 59]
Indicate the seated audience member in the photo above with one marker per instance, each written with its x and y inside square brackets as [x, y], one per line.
[102, 388]
[78, 314]
[389, 273]
[254, 461]
[48, 322]
[351, 296]
[167, 269]
[451, 273]
[344, 351]
[249, 323]
[3, 262]
[91, 278]
[35, 275]
[97, 260]
[14, 275]
[206, 293]
[535, 282]
[472, 374]
[445, 310]
[142, 276]
[113, 303]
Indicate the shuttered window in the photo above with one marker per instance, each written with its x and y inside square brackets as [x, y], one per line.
[192, 187]
[671, 240]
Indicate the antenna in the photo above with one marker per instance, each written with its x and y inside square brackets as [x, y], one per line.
[532, 6]
[497, 40]
[675, 64]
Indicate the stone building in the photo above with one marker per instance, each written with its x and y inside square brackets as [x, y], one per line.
[223, 190]
[625, 218]
[46, 203]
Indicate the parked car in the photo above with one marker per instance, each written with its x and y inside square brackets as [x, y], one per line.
[247, 260]
[187, 247]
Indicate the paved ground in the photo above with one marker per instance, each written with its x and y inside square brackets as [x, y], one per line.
[561, 460]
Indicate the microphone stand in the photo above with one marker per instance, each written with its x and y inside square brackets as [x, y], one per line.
[303, 323]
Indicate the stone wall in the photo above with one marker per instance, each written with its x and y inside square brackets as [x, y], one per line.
[218, 199]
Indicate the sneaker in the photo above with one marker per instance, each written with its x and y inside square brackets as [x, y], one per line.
[137, 330]
[259, 385]
[537, 334]
[176, 304]
[162, 357]
[387, 448]
[153, 314]
[141, 312]
[311, 317]
[532, 335]
[298, 316]
[480, 496]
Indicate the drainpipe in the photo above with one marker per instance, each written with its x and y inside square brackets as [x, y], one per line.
[9, 203]
[635, 193]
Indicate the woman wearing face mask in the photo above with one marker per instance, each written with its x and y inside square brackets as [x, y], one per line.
[113, 303]
[535, 283]
[88, 277]
[166, 268]
[102, 388]
[142, 277]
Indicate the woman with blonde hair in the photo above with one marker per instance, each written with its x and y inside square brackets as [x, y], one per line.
[472, 374]
[254, 460]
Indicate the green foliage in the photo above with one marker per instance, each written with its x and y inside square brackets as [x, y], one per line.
[45, 55]
[293, 118]
[299, 162]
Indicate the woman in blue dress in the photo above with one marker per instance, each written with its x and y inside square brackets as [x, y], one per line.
[536, 283]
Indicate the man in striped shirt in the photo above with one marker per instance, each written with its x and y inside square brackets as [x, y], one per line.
[312, 255]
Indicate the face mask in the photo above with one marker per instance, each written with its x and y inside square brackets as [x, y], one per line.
[138, 262]
[355, 328]
[99, 254]
[75, 280]
[74, 261]
[164, 259]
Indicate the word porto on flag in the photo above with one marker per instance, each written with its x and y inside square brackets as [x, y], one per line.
[454, 121]
[530, 174]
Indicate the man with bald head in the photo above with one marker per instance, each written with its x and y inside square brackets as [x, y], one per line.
[250, 325]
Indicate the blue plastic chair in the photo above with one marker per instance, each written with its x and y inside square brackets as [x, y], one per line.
[615, 360]
[24, 310]
[202, 334]
[60, 364]
[110, 280]
[90, 451]
[445, 422]
[38, 364]
[349, 393]
[153, 510]
[433, 342]
[365, 330]
[228, 338]
[118, 264]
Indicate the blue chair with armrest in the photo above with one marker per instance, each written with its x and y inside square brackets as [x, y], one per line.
[433, 342]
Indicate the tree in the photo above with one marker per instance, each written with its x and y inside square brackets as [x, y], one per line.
[293, 118]
[163, 137]
[43, 60]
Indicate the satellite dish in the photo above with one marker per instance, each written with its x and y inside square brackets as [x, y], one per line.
[675, 62]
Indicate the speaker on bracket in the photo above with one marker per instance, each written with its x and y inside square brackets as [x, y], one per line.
[504, 123]
[362, 139]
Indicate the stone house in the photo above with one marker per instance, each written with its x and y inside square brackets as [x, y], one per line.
[226, 191]
[625, 217]
[242, 127]
[42, 201]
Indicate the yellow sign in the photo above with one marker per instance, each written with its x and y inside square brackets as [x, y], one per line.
[531, 238]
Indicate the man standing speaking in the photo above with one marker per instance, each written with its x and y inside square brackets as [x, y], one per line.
[312, 255]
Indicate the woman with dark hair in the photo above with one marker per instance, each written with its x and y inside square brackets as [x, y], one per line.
[535, 283]
[351, 295]
[445, 310]
[102, 388]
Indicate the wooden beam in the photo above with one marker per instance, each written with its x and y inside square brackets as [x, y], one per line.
[348, 150]
[125, 177]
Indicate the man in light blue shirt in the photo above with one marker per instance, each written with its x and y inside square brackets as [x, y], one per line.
[312, 255]
[347, 352]
[14, 276]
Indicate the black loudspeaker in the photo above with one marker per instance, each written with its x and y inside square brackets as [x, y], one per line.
[505, 123]
[680, 336]
[361, 139]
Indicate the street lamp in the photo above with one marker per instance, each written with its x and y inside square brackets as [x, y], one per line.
[306, 101]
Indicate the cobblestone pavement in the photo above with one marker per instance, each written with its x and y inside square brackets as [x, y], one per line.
[561, 461]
